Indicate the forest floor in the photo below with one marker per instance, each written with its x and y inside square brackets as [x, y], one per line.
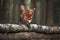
[29, 36]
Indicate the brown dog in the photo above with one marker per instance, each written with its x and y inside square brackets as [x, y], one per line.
[27, 14]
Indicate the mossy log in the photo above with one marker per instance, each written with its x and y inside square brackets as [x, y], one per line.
[11, 28]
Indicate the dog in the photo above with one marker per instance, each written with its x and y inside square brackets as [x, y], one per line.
[27, 14]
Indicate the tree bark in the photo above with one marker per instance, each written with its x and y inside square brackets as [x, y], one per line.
[38, 11]
[15, 14]
[3, 11]
[43, 14]
[9, 12]
[9, 8]
[49, 12]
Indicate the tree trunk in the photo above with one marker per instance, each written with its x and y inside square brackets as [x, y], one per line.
[43, 12]
[9, 12]
[38, 17]
[3, 11]
[49, 12]
[15, 11]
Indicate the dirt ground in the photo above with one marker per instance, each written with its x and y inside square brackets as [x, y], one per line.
[29, 36]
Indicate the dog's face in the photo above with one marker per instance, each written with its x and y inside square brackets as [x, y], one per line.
[27, 14]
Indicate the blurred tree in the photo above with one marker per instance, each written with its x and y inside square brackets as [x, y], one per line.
[9, 11]
[15, 11]
[40, 14]
[49, 12]
[3, 11]
[38, 17]
[57, 12]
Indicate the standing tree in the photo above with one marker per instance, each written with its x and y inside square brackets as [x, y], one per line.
[15, 11]
[9, 11]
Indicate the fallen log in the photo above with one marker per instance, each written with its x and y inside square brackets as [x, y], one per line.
[11, 28]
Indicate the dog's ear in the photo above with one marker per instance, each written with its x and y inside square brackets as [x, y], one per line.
[22, 8]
